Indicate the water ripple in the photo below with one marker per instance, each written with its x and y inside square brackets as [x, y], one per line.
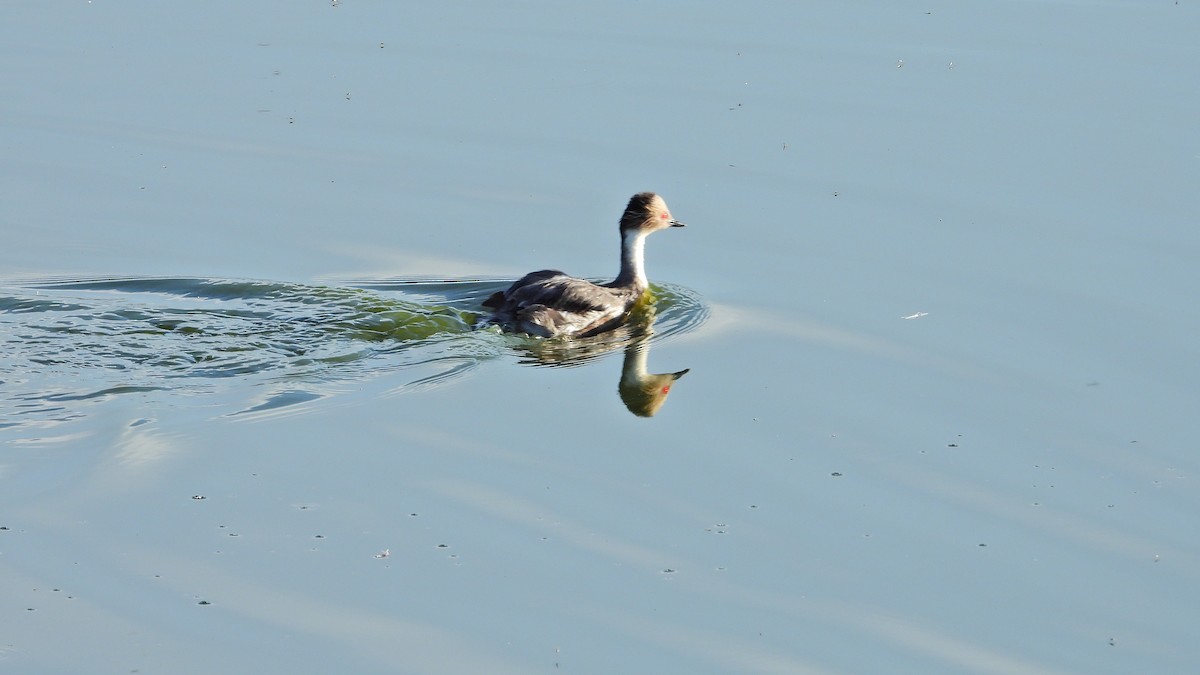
[66, 343]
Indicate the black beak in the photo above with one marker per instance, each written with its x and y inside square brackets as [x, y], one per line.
[676, 223]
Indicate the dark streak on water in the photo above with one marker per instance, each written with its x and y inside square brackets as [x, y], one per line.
[65, 343]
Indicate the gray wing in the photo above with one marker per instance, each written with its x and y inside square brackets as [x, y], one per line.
[554, 289]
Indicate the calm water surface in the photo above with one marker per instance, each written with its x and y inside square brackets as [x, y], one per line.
[935, 302]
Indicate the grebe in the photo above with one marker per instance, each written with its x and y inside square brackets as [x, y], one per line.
[549, 303]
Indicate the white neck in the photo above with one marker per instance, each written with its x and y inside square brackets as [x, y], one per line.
[633, 260]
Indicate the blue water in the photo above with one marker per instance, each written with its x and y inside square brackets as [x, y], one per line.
[934, 302]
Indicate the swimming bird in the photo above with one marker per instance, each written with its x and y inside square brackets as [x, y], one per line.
[548, 303]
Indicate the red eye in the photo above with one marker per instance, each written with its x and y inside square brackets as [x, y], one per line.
[664, 216]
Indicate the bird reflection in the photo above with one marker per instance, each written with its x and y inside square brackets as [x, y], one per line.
[642, 392]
